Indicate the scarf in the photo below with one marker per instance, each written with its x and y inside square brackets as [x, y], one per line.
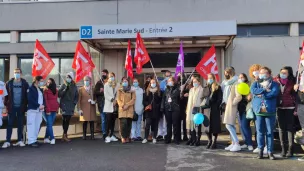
[266, 83]
[112, 83]
[87, 89]
[153, 90]
[126, 89]
[283, 81]
[227, 88]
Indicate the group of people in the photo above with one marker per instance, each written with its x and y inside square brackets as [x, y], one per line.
[167, 108]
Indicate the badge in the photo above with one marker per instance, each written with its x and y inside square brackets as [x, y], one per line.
[169, 100]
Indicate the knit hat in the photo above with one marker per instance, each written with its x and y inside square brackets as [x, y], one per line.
[71, 74]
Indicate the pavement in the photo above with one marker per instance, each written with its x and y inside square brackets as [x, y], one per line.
[95, 155]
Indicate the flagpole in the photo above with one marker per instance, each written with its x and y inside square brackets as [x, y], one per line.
[60, 75]
[154, 71]
[99, 75]
[93, 80]
[189, 76]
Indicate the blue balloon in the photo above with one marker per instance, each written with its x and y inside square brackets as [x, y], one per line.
[198, 118]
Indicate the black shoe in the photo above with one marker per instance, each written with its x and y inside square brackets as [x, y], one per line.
[160, 138]
[260, 155]
[104, 136]
[198, 142]
[209, 144]
[139, 139]
[34, 145]
[176, 142]
[271, 156]
[213, 145]
[185, 138]
[167, 142]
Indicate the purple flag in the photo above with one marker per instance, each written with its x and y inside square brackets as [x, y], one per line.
[180, 61]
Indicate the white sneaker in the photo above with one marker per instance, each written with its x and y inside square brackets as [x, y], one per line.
[154, 141]
[250, 148]
[236, 148]
[46, 141]
[144, 141]
[244, 146]
[265, 150]
[53, 141]
[108, 140]
[6, 145]
[229, 147]
[257, 150]
[113, 138]
[20, 144]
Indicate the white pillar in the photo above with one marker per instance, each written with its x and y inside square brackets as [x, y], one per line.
[13, 65]
[294, 29]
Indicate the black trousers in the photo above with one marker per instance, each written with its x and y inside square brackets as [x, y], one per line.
[125, 127]
[110, 124]
[66, 123]
[286, 122]
[173, 121]
[151, 123]
[183, 119]
[85, 125]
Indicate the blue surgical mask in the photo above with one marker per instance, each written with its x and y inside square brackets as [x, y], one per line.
[153, 85]
[167, 78]
[262, 76]
[87, 83]
[68, 80]
[241, 80]
[283, 76]
[124, 84]
[17, 76]
[170, 84]
[41, 84]
[210, 81]
[135, 84]
[112, 78]
[195, 84]
[255, 73]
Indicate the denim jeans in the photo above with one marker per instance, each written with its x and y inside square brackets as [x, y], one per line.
[15, 113]
[49, 119]
[246, 129]
[103, 118]
[136, 127]
[232, 131]
[265, 125]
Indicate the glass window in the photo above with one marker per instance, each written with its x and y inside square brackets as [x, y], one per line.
[41, 36]
[2, 69]
[242, 31]
[26, 67]
[263, 30]
[69, 36]
[301, 28]
[5, 37]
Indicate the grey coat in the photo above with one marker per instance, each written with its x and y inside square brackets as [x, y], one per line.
[68, 98]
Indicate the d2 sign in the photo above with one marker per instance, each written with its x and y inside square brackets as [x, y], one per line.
[86, 32]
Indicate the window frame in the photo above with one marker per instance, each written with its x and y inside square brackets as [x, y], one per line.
[40, 31]
[9, 37]
[249, 28]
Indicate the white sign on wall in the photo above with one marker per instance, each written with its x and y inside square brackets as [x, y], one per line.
[185, 29]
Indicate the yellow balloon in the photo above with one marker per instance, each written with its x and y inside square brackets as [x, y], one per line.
[243, 89]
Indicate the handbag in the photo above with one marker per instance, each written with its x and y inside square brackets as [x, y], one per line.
[206, 101]
[250, 114]
[135, 117]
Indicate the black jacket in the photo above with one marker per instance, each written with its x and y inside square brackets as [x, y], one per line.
[155, 100]
[242, 105]
[174, 94]
[9, 99]
[99, 95]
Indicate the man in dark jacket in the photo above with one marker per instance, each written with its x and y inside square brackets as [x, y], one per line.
[16, 103]
[99, 94]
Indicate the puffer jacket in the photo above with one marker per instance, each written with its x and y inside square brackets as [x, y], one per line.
[174, 94]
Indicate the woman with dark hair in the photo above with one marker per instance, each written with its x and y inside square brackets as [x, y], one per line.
[170, 105]
[286, 103]
[126, 100]
[244, 122]
[36, 106]
[50, 94]
[68, 95]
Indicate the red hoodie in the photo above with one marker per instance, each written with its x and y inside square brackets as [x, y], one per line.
[51, 102]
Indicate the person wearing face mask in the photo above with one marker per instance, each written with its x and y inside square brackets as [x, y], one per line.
[50, 94]
[3, 94]
[99, 95]
[170, 105]
[231, 98]
[110, 107]
[152, 101]
[243, 121]
[68, 95]
[139, 110]
[193, 107]
[285, 110]
[87, 107]
[215, 101]
[16, 104]
[36, 105]
[264, 104]
[126, 100]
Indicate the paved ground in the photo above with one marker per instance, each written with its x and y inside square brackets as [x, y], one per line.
[80, 155]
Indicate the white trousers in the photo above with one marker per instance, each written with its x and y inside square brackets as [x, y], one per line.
[34, 119]
[162, 126]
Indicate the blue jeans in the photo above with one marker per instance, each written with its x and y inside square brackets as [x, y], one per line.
[232, 131]
[136, 127]
[16, 112]
[246, 129]
[49, 119]
[265, 125]
[103, 118]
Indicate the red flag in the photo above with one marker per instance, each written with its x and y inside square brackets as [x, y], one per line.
[82, 62]
[42, 63]
[208, 64]
[141, 54]
[128, 62]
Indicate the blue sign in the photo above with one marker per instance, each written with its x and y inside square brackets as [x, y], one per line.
[86, 32]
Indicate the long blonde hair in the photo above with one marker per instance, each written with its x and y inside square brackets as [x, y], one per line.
[215, 85]
[149, 86]
[112, 84]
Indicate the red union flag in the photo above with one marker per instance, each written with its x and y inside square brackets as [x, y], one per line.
[128, 62]
[208, 64]
[141, 54]
[42, 63]
[82, 63]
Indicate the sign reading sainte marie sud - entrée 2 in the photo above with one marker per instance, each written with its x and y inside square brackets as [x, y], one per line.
[209, 28]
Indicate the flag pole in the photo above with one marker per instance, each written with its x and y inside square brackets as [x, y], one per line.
[189, 76]
[93, 80]
[154, 71]
[60, 75]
